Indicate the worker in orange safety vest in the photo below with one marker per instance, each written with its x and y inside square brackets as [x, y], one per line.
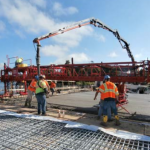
[111, 93]
[100, 109]
[31, 90]
[52, 86]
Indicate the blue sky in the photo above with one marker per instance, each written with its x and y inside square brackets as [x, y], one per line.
[23, 20]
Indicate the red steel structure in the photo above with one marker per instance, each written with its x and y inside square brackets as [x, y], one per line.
[119, 72]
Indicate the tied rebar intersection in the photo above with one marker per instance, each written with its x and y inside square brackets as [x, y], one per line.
[31, 134]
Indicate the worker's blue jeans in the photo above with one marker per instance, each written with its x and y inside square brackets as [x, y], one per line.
[41, 99]
[100, 111]
[109, 105]
[52, 90]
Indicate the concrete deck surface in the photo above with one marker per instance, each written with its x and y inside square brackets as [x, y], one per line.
[139, 103]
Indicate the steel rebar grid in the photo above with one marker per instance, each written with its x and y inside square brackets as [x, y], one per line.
[24, 134]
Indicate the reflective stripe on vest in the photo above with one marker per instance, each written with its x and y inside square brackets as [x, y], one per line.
[38, 89]
[110, 91]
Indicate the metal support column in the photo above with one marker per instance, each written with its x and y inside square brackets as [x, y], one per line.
[38, 58]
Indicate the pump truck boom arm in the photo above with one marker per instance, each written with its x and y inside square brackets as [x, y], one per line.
[96, 23]
[93, 21]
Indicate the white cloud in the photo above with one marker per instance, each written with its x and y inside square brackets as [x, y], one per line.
[59, 10]
[24, 16]
[39, 3]
[72, 38]
[2, 26]
[54, 50]
[18, 32]
[77, 57]
[113, 54]
[138, 55]
[60, 52]
[100, 37]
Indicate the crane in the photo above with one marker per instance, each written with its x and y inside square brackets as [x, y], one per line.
[93, 21]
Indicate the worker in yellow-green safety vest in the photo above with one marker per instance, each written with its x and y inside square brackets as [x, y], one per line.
[41, 91]
[18, 61]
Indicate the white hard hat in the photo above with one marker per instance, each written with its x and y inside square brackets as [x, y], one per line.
[42, 76]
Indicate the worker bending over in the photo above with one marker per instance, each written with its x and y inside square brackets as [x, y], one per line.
[41, 91]
[31, 90]
[111, 93]
[52, 86]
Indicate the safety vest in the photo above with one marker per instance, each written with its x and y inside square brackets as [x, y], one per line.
[32, 86]
[19, 60]
[109, 90]
[53, 85]
[41, 88]
[102, 95]
[46, 84]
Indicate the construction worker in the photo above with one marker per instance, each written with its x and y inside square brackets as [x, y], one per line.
[18, 61]
[111, 93]
[100, 110]
[31, 90]
[41, 91]
[48, 87]
[52, 86]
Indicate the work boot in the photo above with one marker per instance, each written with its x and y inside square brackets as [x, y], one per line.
[117, 123]
[104, 123]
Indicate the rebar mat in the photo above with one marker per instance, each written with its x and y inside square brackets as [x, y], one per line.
[31, 134]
